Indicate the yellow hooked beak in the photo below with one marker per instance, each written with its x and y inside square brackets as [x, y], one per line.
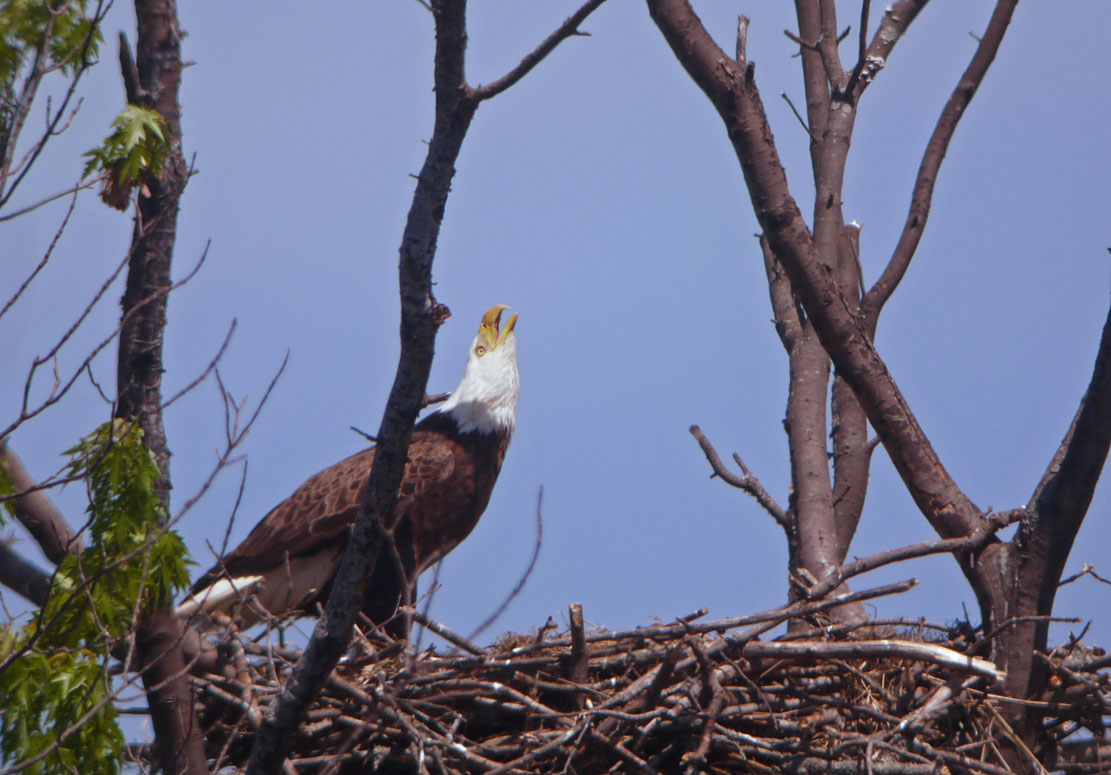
[492, 320]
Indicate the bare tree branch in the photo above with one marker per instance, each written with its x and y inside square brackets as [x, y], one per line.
[827, 45]
[897, 19]
[785, 311]
[36, 511]
[852, 454]
[569, 27]
[421, 316]
[18, 574]
[968, 543]
[212, 364]
[814, 79]
[862, 48]
[1062, 497]
[738, 101]
[747, 482]
[936, 148]
[509, 598]
[793, 649]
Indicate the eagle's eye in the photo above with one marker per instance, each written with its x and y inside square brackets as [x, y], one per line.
[480, 351]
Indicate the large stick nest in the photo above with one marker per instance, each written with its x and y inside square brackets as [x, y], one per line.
[686, 697]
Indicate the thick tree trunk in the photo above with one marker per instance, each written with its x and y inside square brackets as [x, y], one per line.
[179, 746]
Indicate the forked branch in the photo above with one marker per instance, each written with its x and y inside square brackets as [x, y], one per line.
[747, 481]
[936, 148]
[846, 340]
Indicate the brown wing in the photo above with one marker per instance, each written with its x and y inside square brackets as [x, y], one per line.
[320, 511]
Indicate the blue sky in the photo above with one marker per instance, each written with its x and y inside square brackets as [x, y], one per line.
[601, 199]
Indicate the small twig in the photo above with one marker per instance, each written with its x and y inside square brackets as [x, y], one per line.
[802, 122]
[711, 686]
[748, 482]
[1020, 620]
[451, 637]
[569, 28]
[437, 398]
[53, 197]
[1017, 740]
[801, 43]
[524, 576]
[1086, 569]
[624, 753]
[862, 52]
[212, 364]
[742, 39]
[364, 434]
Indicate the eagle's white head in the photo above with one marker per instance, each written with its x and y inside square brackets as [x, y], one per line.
[486, 399]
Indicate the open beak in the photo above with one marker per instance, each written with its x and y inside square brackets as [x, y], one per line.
[491, 323]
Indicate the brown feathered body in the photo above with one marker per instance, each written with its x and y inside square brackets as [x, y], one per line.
[446, 484]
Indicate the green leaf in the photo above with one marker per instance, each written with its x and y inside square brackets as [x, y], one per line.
[133, 563]
[72, 39]
[133, 154]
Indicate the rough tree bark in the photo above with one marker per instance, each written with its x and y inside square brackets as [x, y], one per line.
[155, 83]
[421, 316]
[819, 270]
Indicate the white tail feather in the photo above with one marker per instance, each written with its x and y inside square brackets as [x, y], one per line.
[217, 595]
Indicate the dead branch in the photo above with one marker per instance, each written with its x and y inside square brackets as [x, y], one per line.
[872, 649]
[43, 261]
[737, 99]
[580, 656]
[450, 636]
[569, 28]
[747, 481]
[936, 148]
[968, 543]
[862, 49]
[729, 704]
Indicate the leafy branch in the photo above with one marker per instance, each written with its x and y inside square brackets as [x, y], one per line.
[53, 672]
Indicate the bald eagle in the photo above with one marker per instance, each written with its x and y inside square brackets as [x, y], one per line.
[289, 560]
